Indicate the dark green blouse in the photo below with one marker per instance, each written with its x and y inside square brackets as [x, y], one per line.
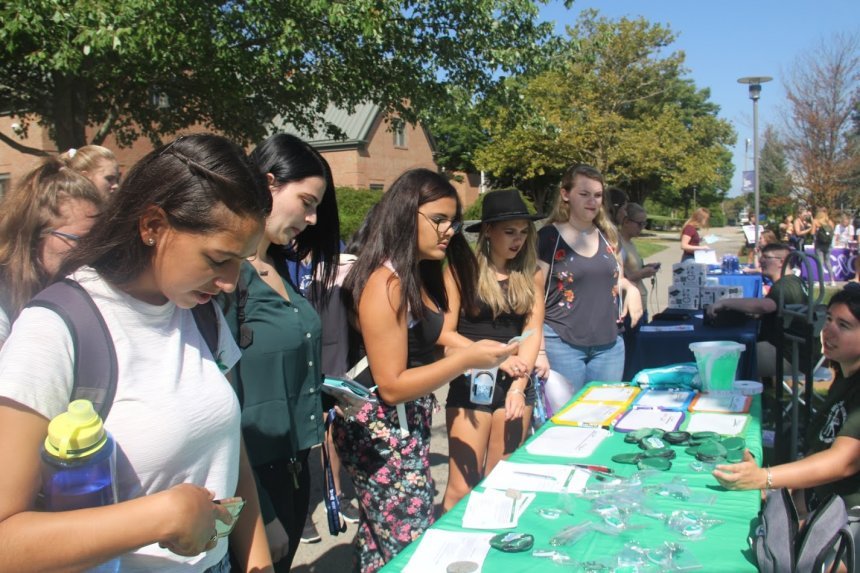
[279, 377]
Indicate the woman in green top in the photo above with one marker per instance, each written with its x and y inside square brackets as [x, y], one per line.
[278, 378]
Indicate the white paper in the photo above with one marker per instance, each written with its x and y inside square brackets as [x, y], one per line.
[528, 477]
[585, 413]
[567, 441]
[725, 424]
[615, 393]
[711, 239]
[666, 420]
[665, 399]
[668, 328]
[439, 548]
[727, 402]
[708, 257]
[494, 509]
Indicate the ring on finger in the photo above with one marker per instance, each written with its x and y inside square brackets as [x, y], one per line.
[213, 538]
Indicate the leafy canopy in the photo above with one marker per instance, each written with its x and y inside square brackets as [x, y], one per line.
[615, 97]
[142, 68]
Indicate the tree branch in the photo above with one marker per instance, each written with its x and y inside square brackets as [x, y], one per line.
[22, 148]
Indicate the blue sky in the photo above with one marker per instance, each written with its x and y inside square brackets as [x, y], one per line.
[729, 39]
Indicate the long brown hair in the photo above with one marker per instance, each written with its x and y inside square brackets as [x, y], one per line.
[26, 214]
[561, 211]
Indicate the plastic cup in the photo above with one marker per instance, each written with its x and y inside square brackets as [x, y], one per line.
[717, 362]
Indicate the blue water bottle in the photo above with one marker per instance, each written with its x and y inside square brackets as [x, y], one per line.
[79, 464]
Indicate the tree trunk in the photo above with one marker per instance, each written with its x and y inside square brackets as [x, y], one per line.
[70, 113]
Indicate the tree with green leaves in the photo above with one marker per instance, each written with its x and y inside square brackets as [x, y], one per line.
[616, 98]
[132, 68]
[776, 189]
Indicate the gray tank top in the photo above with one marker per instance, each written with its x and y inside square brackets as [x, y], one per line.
[581, 302]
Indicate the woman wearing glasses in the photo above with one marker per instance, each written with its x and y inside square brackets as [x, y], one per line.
[509, 304]
[397, 294]
[40, 220]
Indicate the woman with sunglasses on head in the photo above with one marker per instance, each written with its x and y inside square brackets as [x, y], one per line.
[578, 253]
[279, 375]
[397, 294]
[832, 463]
[40, 220]
[508, 305]
[170, 239]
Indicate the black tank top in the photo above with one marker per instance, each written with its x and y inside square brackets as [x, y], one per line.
[501, 328]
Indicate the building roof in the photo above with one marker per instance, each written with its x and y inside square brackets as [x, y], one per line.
[355, 126]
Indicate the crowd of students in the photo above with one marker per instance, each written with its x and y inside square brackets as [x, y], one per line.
[412, 309]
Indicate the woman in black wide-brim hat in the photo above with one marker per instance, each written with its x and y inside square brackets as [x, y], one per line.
[508, 305]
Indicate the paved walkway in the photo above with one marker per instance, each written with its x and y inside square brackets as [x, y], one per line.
[335, 553]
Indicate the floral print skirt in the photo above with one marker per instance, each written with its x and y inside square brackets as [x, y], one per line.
[391, 474]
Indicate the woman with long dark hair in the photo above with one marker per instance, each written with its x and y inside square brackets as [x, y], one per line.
[398, 297]
[279, 375]
[172, 237]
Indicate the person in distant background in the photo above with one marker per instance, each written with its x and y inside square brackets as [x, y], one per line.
[822, 233]
[786, 230]
[96, 163]
[41, 219]
[690, 238]
[802, 228]
[844, 231]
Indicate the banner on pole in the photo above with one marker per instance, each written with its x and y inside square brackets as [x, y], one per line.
[749, 182]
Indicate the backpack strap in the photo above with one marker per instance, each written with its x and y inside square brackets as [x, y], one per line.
[207, 324]
[95, 364]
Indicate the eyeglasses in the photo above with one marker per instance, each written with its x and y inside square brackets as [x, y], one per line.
[67, 236]
[442, 225]
[772, 258]
[640, 223]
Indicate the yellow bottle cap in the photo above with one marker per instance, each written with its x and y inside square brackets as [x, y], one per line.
[76, 433]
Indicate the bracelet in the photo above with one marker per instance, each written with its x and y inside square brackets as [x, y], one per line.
[769, 482]
[517, 391]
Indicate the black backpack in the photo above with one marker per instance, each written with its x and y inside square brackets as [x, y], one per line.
[95, 371]
[781, 546]
[824, 235]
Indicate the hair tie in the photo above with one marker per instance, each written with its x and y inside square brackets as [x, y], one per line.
[71, 152]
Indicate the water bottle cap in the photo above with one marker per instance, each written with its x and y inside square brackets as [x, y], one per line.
[76, 433]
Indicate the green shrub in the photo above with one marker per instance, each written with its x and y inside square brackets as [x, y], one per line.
[352, 206]
[718, 218]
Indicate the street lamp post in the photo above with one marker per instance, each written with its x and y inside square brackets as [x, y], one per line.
[754, 83]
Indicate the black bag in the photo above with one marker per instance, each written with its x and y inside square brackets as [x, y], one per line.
[781, 546]
[824, 235]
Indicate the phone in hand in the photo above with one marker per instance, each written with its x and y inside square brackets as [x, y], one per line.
[656, 266]
[234, 505]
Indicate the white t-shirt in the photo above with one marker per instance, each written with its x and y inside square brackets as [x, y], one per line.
[175, 418]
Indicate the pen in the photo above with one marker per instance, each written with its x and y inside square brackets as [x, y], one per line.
[553, 478]
[593, 468]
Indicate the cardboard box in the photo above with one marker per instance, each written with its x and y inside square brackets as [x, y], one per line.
[684, 297]
[689, 274]
[711, 294]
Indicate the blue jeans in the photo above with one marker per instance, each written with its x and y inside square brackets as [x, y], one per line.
[584, 364]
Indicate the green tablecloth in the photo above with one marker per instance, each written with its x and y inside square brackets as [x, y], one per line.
[724, 547]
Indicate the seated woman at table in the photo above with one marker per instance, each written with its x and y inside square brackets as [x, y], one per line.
[578, 253]
[690, 238]
[832, 463]
[509, 303]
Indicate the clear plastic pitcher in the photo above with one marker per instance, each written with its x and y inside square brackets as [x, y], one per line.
[717, 361]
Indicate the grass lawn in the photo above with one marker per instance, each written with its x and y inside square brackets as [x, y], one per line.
[648, 247]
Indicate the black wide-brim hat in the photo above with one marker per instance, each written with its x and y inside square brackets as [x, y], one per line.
[503, 205]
